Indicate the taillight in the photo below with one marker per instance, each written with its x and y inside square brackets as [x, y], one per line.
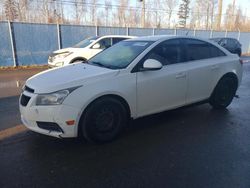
[241, 61]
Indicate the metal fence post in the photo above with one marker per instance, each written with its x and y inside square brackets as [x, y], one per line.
[12, 44]
[153, 31]
[211, 33]
[96, 30]
[175, 31]
[248, 50]
[59, 36]
[226, 33]
[238, 34]
[127, 31]
[194, 31]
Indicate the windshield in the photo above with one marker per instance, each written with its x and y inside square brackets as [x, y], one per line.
[120, 55]
[85, 42]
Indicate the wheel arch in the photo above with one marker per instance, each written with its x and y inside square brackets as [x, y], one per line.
[78, 58]
[228, 74]
[115, 96]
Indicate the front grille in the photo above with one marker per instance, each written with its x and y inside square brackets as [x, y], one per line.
[26, 88]
[24, 100]
[50, 126]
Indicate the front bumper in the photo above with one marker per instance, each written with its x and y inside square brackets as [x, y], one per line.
[58, 114]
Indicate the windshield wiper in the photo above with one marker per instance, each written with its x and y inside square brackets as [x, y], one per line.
[97, 63]
[103, 65]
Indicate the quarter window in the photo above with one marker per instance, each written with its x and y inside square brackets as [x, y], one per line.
[216, 52]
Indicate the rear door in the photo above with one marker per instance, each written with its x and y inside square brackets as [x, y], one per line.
[202, 60]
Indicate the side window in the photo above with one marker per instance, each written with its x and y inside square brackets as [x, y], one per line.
[116, 40]
[231, 43]
[223, 42]
[216, 52]
[167, 52]
[197, 49]
[105, 43]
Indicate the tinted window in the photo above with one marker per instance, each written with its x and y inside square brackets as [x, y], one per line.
[168, 52]
[231, 43]
[116, 40]
[105, 43]
[197, 49]
[216, 52]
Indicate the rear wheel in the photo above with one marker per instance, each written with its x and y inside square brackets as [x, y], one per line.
[238, 52]
[224, 92]
[103, 120]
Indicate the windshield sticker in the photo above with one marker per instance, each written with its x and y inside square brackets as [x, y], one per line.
[140, 44]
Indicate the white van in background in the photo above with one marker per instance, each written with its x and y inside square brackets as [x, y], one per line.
[84, 50]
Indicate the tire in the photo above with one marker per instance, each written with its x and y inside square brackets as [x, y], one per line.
[238, 52]
[103, 120]
[224, 92]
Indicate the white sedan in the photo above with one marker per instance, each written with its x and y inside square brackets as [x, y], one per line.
[84, 50]
[131, 79]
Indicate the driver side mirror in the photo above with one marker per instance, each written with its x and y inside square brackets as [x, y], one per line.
[96, 46]
[151, 65]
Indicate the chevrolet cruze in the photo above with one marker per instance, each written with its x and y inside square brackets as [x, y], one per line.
[131, 79]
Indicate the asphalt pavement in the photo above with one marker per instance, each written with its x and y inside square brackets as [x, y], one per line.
[189, 147]
[11, 82]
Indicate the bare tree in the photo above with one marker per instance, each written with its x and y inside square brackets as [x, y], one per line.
[121, 12]
[228, 16]
[170, 4]
[219, 14]
[239, 20]
[22, 9]
[94, 12]
[10, 10]
[108, 9]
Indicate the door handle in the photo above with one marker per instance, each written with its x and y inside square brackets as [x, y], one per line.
[181, 75]
[214, 67]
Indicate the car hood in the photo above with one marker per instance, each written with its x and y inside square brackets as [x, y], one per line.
[67, 50]
[72, 75]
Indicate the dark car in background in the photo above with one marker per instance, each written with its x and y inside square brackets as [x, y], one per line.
[231, 44]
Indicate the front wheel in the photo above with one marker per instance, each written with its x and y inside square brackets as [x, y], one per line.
[103, 120]
[223, 93]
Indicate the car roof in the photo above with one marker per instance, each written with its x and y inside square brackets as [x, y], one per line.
[163, 37]
[118, 36]
[223, 38]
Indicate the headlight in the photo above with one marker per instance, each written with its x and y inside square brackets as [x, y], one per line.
[60, 64]
[63, 55]
[52, 98]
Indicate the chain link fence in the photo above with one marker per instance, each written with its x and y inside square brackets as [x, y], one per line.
[30, 43]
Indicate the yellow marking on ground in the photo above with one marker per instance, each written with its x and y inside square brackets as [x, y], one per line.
[12, 131]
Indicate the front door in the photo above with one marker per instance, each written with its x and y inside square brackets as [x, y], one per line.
[166, 88]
